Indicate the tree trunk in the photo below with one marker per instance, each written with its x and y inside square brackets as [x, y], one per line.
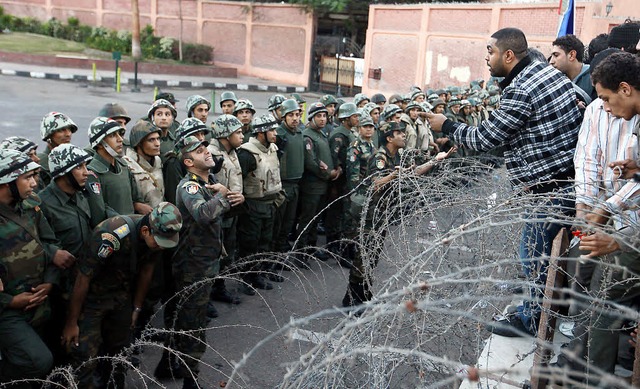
[136, 51]
[180, 34]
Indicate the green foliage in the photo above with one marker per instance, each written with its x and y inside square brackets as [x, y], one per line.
[323, 5]
[198, 54]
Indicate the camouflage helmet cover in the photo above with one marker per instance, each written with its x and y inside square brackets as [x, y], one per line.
[55, 121]
[13, 164]
[244, 104]
[369, 107]
[288, 106]
[161, 103]
[426, 106]
[328, 100]
[225, 125]
[346, 110]
[275, 101]
[165, 222]
[378, 98]
[190, 143]
[365, 120]
[228, 95]
[18, 143]
[388, 128]
[66, 157]
[193, 101]
[297, 97]
[494, 100]
[438, 102]
[189, 127]
[101, 127]
[140, 131]
[412, 104]
[316, 108]
[454, 101]
[417, 93]
[360, 97]
[395, 98]
[263, 123]
[114, 111]
[390, 110]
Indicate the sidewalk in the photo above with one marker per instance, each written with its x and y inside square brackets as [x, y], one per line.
[242, 83]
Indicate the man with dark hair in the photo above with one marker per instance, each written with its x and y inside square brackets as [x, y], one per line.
[617, 80]
[596, 45]
[537, 122]
[625, 36]
[567, 56]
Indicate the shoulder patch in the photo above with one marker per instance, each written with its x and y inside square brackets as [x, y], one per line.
[122, 231]
[380, 164]
[109, 238]
[105, 251]
[308, 144]
[95, 187]
[191, 187]
[352, 158]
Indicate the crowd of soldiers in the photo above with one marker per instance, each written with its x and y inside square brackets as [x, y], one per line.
[97, 237]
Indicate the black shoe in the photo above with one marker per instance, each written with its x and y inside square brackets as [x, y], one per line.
[510, 327]
[190, 383]
[224, 296]
[357, 294]
[259, 282]
[271, 275]
[168, 367]
[248, 289]
[212, 312]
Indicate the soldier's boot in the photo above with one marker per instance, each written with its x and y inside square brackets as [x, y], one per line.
[190, 383]
[247, 286]
[212, 312]
[357, 294]
[168, 367]
[271, 273]
[320, 255]
[258, 281]
[220, 293]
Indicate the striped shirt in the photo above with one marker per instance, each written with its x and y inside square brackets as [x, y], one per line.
[603, 139]
[538, 120]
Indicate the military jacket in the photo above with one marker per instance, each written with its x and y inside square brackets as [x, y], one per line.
[113, 257]
[290, 144]
[45, 173]
[359, 153]
[316, 149]
[201, 234]
[339, 141]
[261, 179]
[173, 170]
[115, 182]
[231, 174]
[167, 143]
[28, 246]
[148, 178]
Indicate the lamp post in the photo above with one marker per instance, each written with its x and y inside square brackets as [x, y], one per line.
[339, 51]
[609, 7]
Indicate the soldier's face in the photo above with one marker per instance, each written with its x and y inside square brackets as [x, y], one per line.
[399, 139]
[332, 109]
[34, 156]
[162, 118]
[354, 120]
[202, 159]
[236, 139]
[320, 119]
[271, 136]
[150, 145]
[200, 135]
[366, 131]
[439, 109]
[60, 137]
[413, 113]
[419, 99]
[121, 121]
[362, 103]
[245, 116]
[396, 117]
[495, 59]
[375, 115]
[26, 183]
[114, 140]
[149, 240]
[292, 120]
[227, 107]
[80, 173]
[201, 111]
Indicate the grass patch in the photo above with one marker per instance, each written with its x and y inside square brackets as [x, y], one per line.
[21, 42]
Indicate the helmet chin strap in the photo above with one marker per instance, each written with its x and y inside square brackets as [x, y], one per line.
[109, 150]
[15, 193]
[73, 182]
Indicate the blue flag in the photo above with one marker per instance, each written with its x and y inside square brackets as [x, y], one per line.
[568, 22]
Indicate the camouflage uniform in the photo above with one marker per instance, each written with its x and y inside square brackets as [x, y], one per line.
[358, 155]
[196, 259]
[26, 146]
[167, 137]
[116, 257]
[25, 263]
[147, 176]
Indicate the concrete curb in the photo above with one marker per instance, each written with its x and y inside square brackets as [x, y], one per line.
[154, 83]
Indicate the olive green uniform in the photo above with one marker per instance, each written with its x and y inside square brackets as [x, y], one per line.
[339, 142]
[116, 183]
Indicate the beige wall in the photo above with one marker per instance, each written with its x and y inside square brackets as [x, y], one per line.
[271, 41]
[436, 45]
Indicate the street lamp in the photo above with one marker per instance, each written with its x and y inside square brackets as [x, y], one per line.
[608, 8]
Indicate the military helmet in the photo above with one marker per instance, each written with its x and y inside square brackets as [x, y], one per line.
[493, 90]
[390, 110]
[263, 123]
[193, 101]
[378, 98]
[275, 101]
[369, 107]
[412, 104]
[455, 90]
[395, 98]
[432, 97]
[454, 101]
[346, 110]
[190, 143]
[465, 103]
[225, 125]
[189, 127]
[483, 94]
[114, 111]
[441, 91]
[359, 98]
[328, 100]
[437, 102]
[228, 95]
[66, 157]
[365, 120]
[288, 106]
[101, 127]
[316, 108]
[55, 121]
[417, 93]
[244, 104]
[13, 164]
[494, 100]
[161, 103]
[18, 143]
[388, 128]
[140, 131]
[406, 97]
[165, 222]
[297, 97]
[167, 96]
[426, 106]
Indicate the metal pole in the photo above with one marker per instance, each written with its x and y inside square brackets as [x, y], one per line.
[115, 79]
[135, 78]
[337, 71]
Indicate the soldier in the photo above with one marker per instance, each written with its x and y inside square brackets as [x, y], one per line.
[443, 142]
[228, 102]
[116, 112]
[262, 190]
[198, 107]
[417, 135]
[55, 129]
[360, 100]
[26, 146]
[300, 100]
[330, 103]
[379, 100]
[227, 137]
[318, 171]
[163, 115]
[291, 154]
[144, 162]
[121, 250]
[109, 175]
[244, 111]
[454, 110]
[169, 97]
[392, 113]
[339, 141]
[28, 272]
[418, 96]
[373, 111]
[202, 201]
[273, 106]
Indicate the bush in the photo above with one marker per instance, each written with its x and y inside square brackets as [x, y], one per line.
[196, 53]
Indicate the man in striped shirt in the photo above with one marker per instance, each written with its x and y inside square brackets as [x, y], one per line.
[538, 121]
